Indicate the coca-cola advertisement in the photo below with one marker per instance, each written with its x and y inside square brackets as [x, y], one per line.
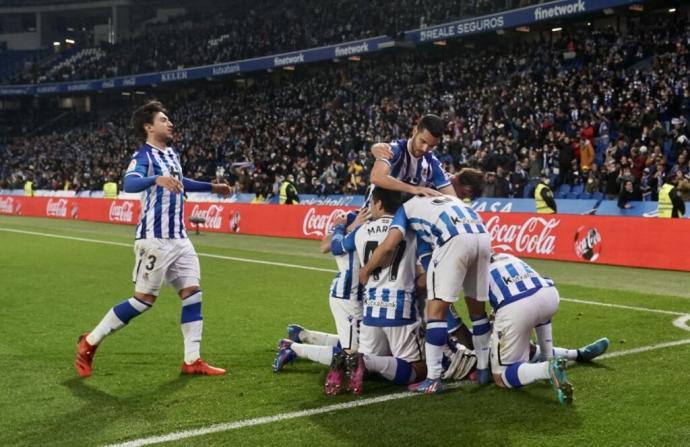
[630, 241]
[533, 236]
[588, 243]
[57, 207]
[211, 213]
[122, 211]
[6, 205]
[319, 222]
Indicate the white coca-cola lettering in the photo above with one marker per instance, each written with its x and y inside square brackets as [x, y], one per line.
[213, 215]
[318, 224]
[7, 205]
[56, 208]
[122, 212]
[532, 236]
[591, 239]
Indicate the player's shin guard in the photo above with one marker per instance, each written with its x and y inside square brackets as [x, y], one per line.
[481, 334]
[545, 339]
[117, 318]
[192, 325]
[521, 374]
[315, 353]
[436, 339]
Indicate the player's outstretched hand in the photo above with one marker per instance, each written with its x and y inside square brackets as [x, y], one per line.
[382, 150]
[340, 219]
[220, 188]
[170, 183]
[426, 192]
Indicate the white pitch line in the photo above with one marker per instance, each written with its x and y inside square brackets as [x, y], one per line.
[622, 306]
[229, 426]
[208, 255]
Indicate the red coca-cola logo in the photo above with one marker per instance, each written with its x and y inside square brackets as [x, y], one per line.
[316, 224]
[213, 215]
[56, 208]
[534, 236]
[588, 243]
[121, 212]
[7, 205]
[235, 222]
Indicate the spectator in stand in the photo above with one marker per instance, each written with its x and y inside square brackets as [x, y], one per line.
[628, 194]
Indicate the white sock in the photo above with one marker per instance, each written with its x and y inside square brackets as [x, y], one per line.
[434, 359]
[315, 353]
[545, 339]
[318, 338]
[517, 375]
[481, 336]
[568, 354]
[192, 326]
[386, 366]
[117, 318]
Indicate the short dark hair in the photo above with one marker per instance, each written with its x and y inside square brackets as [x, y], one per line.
[470, 177]
[391, 200]
[144, 115]
[433, 123]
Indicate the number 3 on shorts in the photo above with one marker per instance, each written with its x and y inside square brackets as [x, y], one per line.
[152, 263]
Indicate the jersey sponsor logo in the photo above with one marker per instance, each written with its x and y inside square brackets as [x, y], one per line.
[316, 224]
[56, 208]
[213, 215]
[122, 212]
[132, 165]
[533, 236]
[588, 243]
[7, 205]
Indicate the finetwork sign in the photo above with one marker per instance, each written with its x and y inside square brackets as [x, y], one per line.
[560, 10]
[350, 50]
[288, 60]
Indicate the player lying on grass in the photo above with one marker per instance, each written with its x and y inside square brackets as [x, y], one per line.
[345, 300]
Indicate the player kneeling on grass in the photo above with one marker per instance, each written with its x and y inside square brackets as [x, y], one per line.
[390, 336]
[345, 302]
[523, 300]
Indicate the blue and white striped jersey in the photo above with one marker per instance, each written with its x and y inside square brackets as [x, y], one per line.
[162, 211]
[425, 171]
[511, 279]
[389, 295]
[345, 285]
[437, 219]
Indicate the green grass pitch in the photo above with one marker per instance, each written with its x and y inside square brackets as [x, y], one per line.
[54, 288]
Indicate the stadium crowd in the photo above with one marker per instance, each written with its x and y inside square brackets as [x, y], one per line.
[257, 28]
[593, 110]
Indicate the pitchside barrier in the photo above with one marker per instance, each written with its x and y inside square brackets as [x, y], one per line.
[626, 241]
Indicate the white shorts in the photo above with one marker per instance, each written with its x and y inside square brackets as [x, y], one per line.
[403, 342]
[462, 263]
[348, 317]
[172, 261]
[513, 327]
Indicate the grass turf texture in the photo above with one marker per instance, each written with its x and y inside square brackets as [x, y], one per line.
[54, 289]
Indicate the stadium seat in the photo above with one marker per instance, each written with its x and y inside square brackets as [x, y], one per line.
[584, 196]
[563, 191]
[598, 195]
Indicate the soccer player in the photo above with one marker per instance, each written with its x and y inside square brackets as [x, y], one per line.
[408, 165]
[163, 253]
[345, 302]
[460, 260]
[390, 335]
